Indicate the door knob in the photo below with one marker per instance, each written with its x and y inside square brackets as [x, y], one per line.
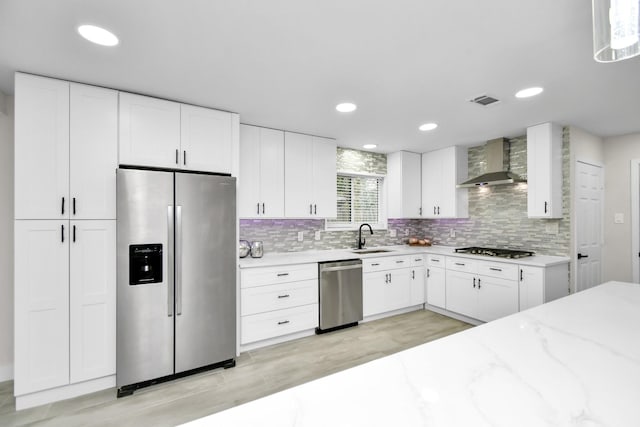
[580, 256]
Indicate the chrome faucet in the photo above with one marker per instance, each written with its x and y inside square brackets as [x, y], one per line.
[361, 241]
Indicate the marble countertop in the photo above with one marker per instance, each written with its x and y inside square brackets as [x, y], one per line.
[572, 362]
[284, 258]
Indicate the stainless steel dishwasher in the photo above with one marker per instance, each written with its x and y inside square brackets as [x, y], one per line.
[340, 291]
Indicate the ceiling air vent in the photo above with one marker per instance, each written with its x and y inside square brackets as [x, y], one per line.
[484, 100]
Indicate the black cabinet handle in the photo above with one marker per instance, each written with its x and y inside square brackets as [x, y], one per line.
[62, 205]
[478, 283]
[282, 274]
[184, 157]
[438, 210]
[284, 296]
[545, 207]
[399, 262]
[413, 274]
[420, 211]
[258, 205]
[474, 282]
[62, 233]
[315, 209]
[460, 264]
[373, 264]
[521, 275]
[73, 201]
[177, 154]
[74, 233]
[428, 273]
[310, 209]
[435, 260]
[580, 256]
[284, 322]
[495, 269]
[389, 277]
[263, 208]
[434, 210]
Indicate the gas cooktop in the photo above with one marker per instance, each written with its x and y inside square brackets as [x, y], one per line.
[501, 253]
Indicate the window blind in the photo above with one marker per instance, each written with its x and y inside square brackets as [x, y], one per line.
[358, 200]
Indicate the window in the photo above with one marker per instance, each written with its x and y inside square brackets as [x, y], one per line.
[359, 200]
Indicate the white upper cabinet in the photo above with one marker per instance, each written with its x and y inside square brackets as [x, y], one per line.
[206, 139]
[544, 171]
[160, 133]
[404, 185]
[261, 186]
[149, 131]
[66, 150]
[41, 148]
[442, 170]
[93, 152]
[310, 176]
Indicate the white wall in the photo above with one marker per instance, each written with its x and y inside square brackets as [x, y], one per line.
[618, 153]
[586, 148]
[6, 237]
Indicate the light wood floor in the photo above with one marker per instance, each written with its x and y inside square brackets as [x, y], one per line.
[258, 373]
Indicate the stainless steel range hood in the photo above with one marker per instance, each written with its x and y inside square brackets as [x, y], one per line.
[498, 172]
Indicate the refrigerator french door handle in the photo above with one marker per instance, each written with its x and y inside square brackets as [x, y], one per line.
[178, 260]
[170, 281]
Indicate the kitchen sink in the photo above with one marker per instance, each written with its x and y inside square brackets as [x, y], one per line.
[370, 251]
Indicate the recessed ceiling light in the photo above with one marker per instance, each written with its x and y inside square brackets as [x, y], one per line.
[528, 92]
[428, 126]
[346, 107]
[369, 146]
[98, 35]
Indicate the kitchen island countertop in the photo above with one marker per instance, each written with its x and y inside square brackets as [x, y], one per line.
[574, 361]
[287, 258]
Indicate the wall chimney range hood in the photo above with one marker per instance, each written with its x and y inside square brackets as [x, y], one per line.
[498, 172]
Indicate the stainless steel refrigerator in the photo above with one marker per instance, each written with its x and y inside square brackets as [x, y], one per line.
[176, 292]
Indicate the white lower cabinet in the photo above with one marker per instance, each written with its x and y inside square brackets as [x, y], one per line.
[388, 284]
[539, 285]
[277, 301]
[484, 297]
[417, 285]
[64, 303]
[435, 280]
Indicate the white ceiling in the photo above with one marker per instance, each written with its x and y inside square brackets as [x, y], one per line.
[286, 63]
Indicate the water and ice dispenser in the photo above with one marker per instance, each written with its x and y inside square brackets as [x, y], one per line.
[145, 264]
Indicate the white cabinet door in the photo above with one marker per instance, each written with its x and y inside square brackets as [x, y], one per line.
[453, 201]
[398, 290]
[41, 148]
[496, 298]
[404, 185]
[149, 131]
[544, 171]
[417, 286]
[271, 173]
[461, 294]
[249, 179]
[298, 172]
[531, 287]
[261, 192]
[431, 186]
[436, 287]
[41, 305]
[206, 139]
[374, 287]
[324, 178]
[93, 143]
[92, 285]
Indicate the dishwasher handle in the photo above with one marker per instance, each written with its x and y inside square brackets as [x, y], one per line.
[341, 268]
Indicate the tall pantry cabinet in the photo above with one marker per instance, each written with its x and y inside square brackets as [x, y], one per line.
[65, 231]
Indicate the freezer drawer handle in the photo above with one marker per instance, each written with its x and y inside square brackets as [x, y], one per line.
[495, 269]
[284, 296]
[284, 322]
[282, 274]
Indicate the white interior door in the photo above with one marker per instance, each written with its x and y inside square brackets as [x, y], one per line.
[588, 225]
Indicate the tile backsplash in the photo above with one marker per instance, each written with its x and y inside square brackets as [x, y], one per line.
[497, 215]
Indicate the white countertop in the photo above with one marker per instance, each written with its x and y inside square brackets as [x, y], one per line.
[284, 258]
[572, 362]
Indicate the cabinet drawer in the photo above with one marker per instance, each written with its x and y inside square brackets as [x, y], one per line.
[251, 277]
[385, 263]
[498, 269]
[418, 260]
[276, 323]
[435, 260]
[260, 299]
[461, 264]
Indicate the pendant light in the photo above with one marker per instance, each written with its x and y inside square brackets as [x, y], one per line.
[616, 29]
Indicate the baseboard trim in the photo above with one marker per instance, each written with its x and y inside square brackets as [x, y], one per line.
[392, 313]
[453, 315]
[6, 372]
[65, 392]
[276, 340]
